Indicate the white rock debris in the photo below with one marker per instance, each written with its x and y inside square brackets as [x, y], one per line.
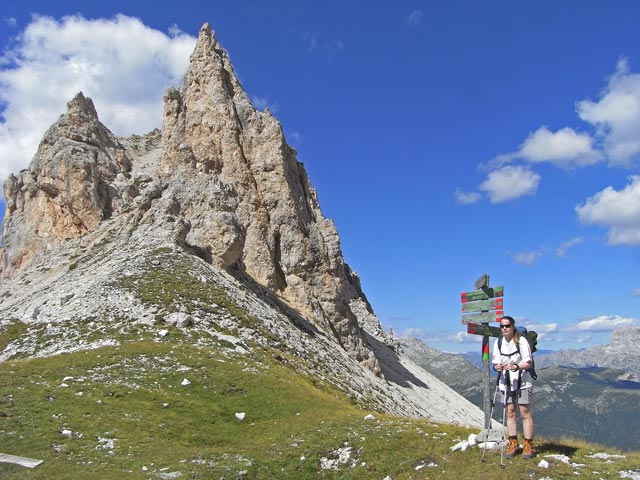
[606, 456]
[341, 456]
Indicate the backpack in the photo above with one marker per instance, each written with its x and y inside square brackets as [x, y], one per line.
[532, 339]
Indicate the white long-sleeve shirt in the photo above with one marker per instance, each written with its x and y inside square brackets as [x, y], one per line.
[507, 356]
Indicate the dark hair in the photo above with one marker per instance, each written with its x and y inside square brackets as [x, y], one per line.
[516, 334]
[511, 320]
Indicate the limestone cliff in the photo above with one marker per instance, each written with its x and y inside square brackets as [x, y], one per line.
[69, 188]
[222, 183]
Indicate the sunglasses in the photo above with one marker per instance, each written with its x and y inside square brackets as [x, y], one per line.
[505, 326]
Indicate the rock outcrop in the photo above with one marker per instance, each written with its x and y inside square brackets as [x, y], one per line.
[224, 183]
[71, 186]
[267, 221]
[621, 352]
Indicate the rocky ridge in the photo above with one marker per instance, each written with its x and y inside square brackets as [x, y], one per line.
[621, 353]
[106, 238]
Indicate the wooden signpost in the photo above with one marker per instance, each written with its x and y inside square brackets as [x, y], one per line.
[479, 307]
[482, 305]
[482, 317]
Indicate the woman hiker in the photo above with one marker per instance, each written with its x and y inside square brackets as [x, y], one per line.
[512, 358]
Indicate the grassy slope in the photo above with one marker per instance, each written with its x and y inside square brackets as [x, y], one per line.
[125, 413]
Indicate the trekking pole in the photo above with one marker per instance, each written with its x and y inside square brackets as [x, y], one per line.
[493, 403]
[507, 392]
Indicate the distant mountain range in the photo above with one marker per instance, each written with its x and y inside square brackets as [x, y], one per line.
[591, 394]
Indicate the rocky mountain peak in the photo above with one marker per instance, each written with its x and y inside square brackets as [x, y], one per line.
[620, 352]
[68, 189]
[81, 109]
[223, 182]
[210, 226]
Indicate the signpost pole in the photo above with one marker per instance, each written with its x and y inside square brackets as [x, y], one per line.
[483, 284]
[479, 307]
[486, 391]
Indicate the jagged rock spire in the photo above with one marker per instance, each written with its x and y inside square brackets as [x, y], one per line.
[66, 191]
[229, 187]
[274, 229]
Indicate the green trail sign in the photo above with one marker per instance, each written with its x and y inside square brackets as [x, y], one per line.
[483, 305]
[484, 294]
[493, 316]
[483, 329]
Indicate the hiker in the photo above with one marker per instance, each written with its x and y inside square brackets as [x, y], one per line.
[512, 358]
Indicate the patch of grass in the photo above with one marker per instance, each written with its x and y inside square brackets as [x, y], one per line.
[126, 411]
[13, 330]
[168, 282]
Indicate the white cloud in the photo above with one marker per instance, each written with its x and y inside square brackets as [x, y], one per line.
[636, 292]
[466, 198]
[542, 328]
[562, 250]
[123, 65]
[414, 19]
[510, 182]
[296, 137]
[262, 103]
[565, 148]
[617, 210]
[529, 257]
[444, 336]
[616, 115]
[412, 332]
[603, 323]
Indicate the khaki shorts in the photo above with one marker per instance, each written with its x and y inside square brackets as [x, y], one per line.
[523, 397]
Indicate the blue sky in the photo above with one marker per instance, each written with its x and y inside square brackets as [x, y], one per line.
[445, 139]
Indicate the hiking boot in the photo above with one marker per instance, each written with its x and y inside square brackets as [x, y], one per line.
[527, 451]
[512, 448]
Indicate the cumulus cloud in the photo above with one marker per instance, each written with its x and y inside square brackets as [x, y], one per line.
[565, 148]
[614, 118]
[510, 182]
[542, 327]
[616, 115]
[603, 323]
[617, 210]
[123, 65]
[466, 198]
